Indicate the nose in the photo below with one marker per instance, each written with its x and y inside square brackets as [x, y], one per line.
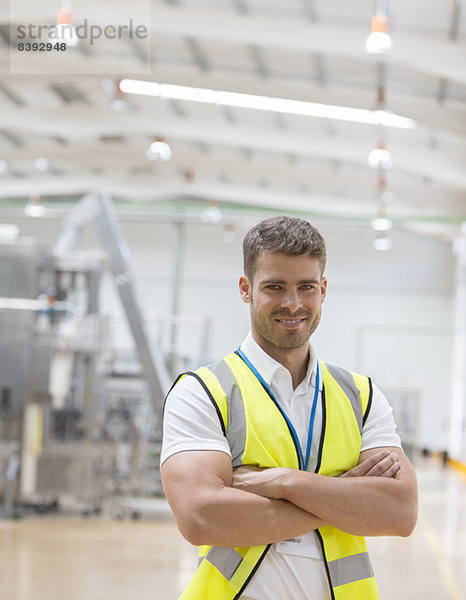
[291, 300]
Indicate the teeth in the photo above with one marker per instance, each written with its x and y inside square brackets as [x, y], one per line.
[290, 322]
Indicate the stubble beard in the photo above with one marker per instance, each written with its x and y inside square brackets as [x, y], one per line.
[289, 340]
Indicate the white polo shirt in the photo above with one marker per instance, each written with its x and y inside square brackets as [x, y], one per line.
[290, 569]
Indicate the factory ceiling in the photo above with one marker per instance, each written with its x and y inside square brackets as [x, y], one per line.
[68, 124]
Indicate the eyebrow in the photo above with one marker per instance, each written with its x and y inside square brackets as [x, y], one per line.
[282, 281]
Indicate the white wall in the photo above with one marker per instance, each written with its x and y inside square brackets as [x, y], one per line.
[387, 314]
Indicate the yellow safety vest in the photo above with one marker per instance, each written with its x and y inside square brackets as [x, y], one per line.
[259, 435]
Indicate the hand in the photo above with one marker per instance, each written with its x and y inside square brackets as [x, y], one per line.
[381, 464]
[263, 482]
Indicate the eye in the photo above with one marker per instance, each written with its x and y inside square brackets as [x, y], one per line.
[273, 286]
[307, 286]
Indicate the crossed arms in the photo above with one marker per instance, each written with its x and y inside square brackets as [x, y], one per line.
[250, 507]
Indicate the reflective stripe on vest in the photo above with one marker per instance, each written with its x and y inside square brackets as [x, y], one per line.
[258, 435]
[351, 568]
[226, 560]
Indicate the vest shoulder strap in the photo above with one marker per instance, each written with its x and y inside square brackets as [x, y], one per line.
[220, 384]
[358, 389]
[217, 382]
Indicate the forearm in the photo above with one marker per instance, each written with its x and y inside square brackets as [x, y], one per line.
[232, 517]
[359, 505]
[209, 511]
[377, 497]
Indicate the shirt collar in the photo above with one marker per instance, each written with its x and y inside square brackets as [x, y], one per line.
[268, 366]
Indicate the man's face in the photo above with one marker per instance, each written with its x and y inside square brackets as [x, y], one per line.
[285, 299]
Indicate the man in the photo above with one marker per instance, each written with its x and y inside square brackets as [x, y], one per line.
[274, 462]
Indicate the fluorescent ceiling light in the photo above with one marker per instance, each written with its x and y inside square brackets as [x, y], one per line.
[379, 158]
[159, 151]
[229, 234]
[42, 164]
[211, 215]
[64, 30]
[382, 243]
[390, 119]
[9, 233]
[381, 224]
[34, 210]
[378, 43]
[379, 40]
[386, 197]
[266, 103]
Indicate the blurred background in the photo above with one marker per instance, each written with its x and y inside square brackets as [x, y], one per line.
[138, 144]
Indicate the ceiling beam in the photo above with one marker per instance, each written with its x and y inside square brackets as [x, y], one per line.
[143, 189]
[426, 53]
[69, 93]
[259, 61]
[80, 122]
[319, 69]
[310, 10]
[241, 6]
[12, 137]
[455, 20]
[12, 96]
[197, 53]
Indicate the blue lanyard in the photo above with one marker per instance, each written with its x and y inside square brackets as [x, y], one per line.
[304, 463]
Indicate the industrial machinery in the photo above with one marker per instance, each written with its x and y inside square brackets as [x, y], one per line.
[75, 425]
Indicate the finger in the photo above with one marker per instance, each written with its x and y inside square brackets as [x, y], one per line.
[370, 463]
[362, 469]
[383, 465]
[392, 471]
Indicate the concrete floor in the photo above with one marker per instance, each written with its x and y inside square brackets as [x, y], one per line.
[56, 557]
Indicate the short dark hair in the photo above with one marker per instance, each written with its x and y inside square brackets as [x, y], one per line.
[288, 235]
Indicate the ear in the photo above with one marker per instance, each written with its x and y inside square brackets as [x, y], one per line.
[245, 289]
[323, 288]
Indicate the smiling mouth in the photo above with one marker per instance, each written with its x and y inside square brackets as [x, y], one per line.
[291, 322]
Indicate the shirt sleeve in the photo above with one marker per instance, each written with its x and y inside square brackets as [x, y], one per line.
[190, 421]
[379, 429]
